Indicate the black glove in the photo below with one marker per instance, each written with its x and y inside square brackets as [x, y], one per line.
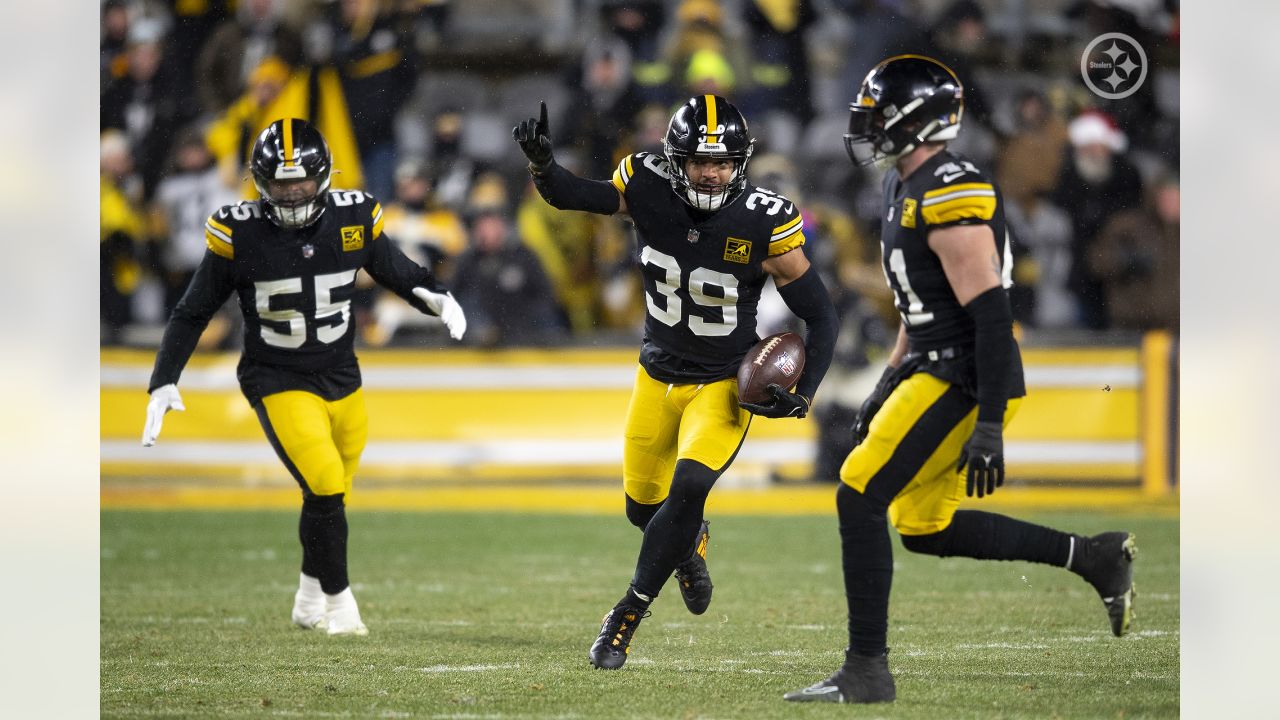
[783, 404]
[984, 453]
[535, 140]
[889, 380]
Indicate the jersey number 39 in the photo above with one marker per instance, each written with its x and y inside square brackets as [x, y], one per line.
[699, 279]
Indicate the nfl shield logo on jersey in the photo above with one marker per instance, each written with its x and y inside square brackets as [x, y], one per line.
[308, 250]
[692, 237]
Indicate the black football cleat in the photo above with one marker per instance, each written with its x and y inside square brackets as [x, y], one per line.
[693, 576]
[609, 651]
[1107, 564]
[862, 679]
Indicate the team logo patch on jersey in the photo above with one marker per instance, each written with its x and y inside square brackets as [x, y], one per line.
[738, 251]
[909, 213]
[352, 238]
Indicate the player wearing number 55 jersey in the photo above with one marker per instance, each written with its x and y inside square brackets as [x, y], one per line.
[707, 241]
[291, 258]
[933, 428]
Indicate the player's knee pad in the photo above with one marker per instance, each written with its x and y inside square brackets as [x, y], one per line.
[641, 513]
[931, 544]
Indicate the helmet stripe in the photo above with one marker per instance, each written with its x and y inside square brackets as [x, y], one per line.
[287, 123]
[711, 118]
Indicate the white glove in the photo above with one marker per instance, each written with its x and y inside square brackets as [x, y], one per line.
[447, 308]
[163, 399]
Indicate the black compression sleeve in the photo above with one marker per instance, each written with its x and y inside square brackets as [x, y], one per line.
[209, 288]
[993, 350]
[565, 191]
[808, 299]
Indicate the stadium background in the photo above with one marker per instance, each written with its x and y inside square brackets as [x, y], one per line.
[417, 99]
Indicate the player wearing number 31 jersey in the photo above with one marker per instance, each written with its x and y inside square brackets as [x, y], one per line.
[707, 241]
[291, 258]
[933, 429]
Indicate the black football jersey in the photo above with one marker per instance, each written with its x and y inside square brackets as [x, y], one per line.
[702, 272]
[946, 190]
[294, 289]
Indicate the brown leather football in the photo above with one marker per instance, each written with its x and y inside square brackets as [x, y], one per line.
[777, 359]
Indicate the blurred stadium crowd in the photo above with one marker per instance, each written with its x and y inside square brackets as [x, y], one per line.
[417, 99]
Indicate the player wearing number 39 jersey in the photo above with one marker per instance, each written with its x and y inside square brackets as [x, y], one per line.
[933, 429]
[291, 259]
[707, 241]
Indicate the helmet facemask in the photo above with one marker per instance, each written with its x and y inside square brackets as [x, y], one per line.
[707, 197]
[293, 203]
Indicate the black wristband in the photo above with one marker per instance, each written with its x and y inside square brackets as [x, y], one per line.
[808, 299]
[565, 191]
[993, 351]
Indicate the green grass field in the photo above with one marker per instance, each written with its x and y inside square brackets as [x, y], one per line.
[491, 615]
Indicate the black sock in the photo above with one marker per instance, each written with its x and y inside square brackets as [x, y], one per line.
[988, 536]
[670, 534]
[640, 514]
[323, 531]
[867, 556]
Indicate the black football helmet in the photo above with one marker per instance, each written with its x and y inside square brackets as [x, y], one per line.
[708, 126]
[289, 152]
[904, 101]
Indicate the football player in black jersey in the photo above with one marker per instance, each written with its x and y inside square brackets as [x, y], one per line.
[707, 240]
[291, 258]
[933, 429]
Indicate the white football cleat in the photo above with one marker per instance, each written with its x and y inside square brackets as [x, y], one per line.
[342, 615]
[309, 604]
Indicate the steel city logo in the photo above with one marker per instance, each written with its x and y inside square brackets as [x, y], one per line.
[1114, 66]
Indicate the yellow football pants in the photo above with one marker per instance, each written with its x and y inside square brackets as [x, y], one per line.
[908, 460]
[319, 441]
[667, 423]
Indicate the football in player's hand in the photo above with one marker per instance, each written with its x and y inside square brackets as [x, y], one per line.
[775, 360]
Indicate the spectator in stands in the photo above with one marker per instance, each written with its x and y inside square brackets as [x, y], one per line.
[1136, 257]
[144, 103]
[1028, 168]
[238, 47]
[113, 62]
[638, 23]
[375, 63]
[183, 200]
[427, 231]
[605, 105]
[959, 37]
[565, 244]
[122, 233]
[699, 45]
[709, 73]
[1097, 182]
[231, 135]
[779, 60]
[500, 284]
[455, 171]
